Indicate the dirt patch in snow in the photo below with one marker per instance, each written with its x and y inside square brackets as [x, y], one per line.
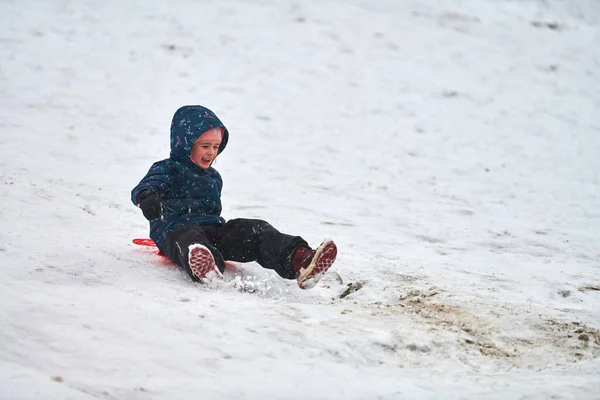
[529, 341]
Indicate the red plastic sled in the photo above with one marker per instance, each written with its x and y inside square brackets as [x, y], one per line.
[149, 243]
[144, 242]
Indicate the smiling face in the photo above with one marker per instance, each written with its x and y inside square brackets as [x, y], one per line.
[206, 147]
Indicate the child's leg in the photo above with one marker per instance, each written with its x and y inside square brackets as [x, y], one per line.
[176, 247]
[245, 240]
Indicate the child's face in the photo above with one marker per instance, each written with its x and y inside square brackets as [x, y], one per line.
[205, 148]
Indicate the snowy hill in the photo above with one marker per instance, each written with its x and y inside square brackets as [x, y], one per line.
[450, 148]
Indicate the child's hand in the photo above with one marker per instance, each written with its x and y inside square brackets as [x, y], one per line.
[150, 204]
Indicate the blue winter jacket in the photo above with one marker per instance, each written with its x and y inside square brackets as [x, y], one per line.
[190, 194]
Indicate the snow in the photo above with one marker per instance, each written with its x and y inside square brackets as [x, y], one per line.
[449, 147]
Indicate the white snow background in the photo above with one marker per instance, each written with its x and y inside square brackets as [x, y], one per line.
[451, 148]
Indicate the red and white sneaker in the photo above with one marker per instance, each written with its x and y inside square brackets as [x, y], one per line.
[310, 265]
[202, 264]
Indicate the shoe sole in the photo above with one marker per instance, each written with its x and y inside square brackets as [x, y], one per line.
[324, 257]
[202, 264]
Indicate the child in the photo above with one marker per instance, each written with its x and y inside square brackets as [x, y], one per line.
[181, 197]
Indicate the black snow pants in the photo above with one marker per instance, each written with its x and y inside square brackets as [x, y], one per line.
[241, 240]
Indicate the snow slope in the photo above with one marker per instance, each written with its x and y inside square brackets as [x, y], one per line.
[450, 148]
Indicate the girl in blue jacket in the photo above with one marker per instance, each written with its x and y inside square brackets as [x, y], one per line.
[181, 197]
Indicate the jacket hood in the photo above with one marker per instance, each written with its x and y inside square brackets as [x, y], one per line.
[189, 122]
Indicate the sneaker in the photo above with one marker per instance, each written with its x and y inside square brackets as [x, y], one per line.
[310, 265]
[202, 264]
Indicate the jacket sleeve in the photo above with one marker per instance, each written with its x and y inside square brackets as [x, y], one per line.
[219, 183]
[158, 179]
